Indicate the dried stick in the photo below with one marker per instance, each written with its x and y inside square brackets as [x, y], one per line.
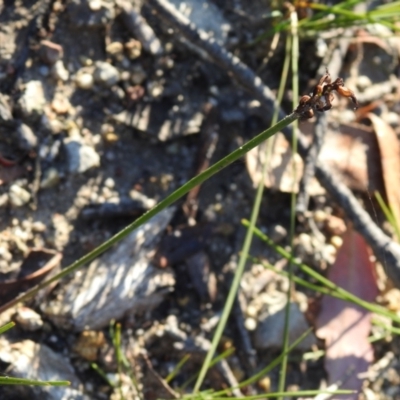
[386, 251]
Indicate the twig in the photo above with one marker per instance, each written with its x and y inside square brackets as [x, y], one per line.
[209, 139]
[139, 27]
[384, 248]
[226, 60]
[245, 341]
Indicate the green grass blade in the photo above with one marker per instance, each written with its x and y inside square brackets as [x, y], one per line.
[293, 197]
[5, 380]
[388, 214]
[300, 393]
[169, 200]
[96, 368]
[177, 368]
[256, 377]
[6, 327]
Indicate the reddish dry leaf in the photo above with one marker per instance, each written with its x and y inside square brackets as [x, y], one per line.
[344, 326]
[10, 173]
[390, 159]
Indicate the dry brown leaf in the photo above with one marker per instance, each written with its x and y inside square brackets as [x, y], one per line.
[279, 175]
[345, 326]
[350, 149]
[389, 149]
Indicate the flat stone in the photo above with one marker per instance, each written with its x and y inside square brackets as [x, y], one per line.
[27, 140]
[32, 100]
[269, 332]
[18, 196]
[106, 74]
[80, 156]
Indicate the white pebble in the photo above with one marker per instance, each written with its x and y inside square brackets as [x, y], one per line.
[84, 80]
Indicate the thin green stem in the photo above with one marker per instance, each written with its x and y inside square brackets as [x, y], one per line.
[295, 86]
[260, 374]
[172, 198]
[300, 393]
[248, 238]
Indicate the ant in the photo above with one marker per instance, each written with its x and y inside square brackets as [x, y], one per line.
[322, 96]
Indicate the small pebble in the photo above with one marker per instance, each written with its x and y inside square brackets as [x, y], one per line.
[106, 74]
[363, 82]
[133, 49]
[18, 196]
[110, 183]
[59, 72]
[50, 178]
[84, 80]
[250, 324]
[265, 384]
[118, 92]
[320, 216]
[110, 137]
[304, 246]
[335, 225]
[60, 104]
[95, 5]
[44, 70]
[278, 233]
[80, 157]
[28, 319]
[329, 253]
[252, 311]
[138, 75]
[146, 201]
[32, 101]
[5, 254]
[115, 48]
[155, 89]
[336, 241]
[38, 227]
[50, 52]
[4, 199]
[392, 119]
[125, 76]
[27, 140]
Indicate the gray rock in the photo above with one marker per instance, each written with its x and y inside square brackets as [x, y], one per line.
[278, 233]
[18, 196]
[23, 357]
[32, 100]
[5, 108]
[270, 329]
[50, 178]
[206, 16]
[27, 140]
[50, 52]
[106, 74]
[80, 156]
[59, 72]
